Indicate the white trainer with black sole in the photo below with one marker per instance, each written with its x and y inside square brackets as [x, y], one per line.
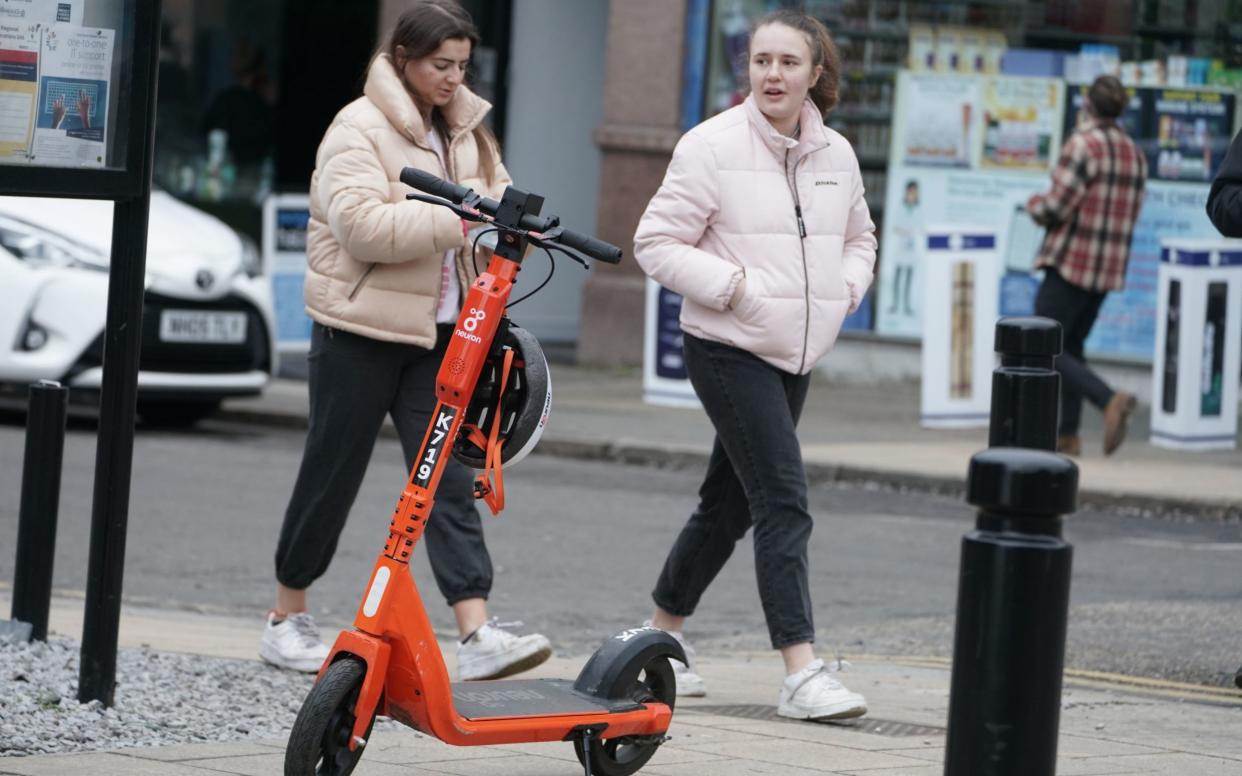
[492, 652]
[293, 643]
[813, 693]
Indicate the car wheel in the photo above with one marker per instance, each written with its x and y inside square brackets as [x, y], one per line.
[175, 414]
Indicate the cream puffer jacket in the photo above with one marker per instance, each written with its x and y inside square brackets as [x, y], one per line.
[740, 200]
[374, 258]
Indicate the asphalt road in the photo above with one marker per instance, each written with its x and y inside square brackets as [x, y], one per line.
[578, 549]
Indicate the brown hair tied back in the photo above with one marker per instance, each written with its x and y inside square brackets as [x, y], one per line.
[420, 30]
[823, 52]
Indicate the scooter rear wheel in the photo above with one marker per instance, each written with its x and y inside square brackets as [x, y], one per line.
[653, 683]
[319, 742]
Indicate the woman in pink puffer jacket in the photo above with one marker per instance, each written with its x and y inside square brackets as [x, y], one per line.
[761, 226]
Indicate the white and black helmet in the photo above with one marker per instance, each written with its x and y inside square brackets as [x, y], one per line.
[524, 407]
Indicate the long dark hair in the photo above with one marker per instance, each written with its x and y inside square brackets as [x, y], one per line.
[420, 30]
[823, 52]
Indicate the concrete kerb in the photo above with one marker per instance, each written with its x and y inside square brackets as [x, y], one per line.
[634, 452]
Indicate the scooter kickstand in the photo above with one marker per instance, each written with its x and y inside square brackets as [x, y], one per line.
[588, 734]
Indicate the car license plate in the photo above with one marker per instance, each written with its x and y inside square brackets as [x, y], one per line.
[202, 326]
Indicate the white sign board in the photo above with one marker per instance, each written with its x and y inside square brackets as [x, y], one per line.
[285, 218]
[959, 319]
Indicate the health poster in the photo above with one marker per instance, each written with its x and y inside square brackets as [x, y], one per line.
[1021, 123]
[71, 114]
[1184, 133]
[1192, 133]
[19, 76]
[41, 11]
[937, 123]
[918, 196]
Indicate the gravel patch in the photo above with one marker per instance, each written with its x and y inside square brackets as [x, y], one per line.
[161, 699]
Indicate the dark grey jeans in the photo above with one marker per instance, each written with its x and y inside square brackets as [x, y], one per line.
[354, 382]
[755, 477]
[1075, 309]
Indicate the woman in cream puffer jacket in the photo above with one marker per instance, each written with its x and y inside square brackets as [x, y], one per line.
[384, 284]
[373, 257]
[761, 226]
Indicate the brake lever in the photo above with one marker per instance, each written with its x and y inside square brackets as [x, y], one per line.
[468, 215]
[548, 242]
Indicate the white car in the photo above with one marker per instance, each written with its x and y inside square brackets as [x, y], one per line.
[207, 327]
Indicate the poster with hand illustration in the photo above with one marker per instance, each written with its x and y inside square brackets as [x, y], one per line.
[71, 113]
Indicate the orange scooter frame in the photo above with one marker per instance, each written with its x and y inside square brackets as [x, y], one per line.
[620, 706]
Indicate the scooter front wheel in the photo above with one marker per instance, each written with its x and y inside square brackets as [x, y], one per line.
[319, 742]
[653, 683]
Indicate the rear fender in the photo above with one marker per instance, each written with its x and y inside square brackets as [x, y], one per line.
[616, 664]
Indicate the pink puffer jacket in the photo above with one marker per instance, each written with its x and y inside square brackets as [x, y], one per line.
[729, 208]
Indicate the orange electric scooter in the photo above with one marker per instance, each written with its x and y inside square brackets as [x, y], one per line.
[617, 711]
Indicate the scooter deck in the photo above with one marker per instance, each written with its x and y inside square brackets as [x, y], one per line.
[529, 698]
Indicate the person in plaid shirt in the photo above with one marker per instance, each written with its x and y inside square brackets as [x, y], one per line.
[1090, 212]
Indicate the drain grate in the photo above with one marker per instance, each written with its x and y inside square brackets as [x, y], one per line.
[878, 727]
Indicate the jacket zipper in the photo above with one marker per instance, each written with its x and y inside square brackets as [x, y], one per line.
[806, 278]
[358, 286]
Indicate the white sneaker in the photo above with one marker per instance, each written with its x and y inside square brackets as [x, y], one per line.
[689, 683]
[492, 652]
[813, 693]
[293, 643]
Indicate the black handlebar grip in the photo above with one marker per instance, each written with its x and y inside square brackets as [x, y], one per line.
[596, 249]
[437, 187]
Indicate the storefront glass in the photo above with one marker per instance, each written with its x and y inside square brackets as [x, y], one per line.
[218, 88]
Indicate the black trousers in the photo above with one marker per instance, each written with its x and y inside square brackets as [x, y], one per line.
[1076, 310]
[754, 477]
[354, 382]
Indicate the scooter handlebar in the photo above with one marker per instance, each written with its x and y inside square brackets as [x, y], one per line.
[596, 249]
[459, 195]
[437, 187]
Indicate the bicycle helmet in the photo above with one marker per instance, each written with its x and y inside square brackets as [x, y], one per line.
[524, 406]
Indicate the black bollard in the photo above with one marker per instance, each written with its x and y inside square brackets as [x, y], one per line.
[1026, 389]
[40, 501]
[1013, 597]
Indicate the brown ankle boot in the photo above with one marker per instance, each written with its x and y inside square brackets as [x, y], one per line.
[1116, 415]
[1069, 444]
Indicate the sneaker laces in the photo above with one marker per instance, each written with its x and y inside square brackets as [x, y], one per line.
[496, 623]
[820, 674]
[500, 629]
[304, 627]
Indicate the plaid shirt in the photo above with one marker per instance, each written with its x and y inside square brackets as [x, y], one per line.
[1097, 190]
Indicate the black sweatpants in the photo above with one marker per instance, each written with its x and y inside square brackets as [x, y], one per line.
[354, 382]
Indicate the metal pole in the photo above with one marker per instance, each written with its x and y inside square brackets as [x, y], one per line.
[1012, 606]
[122, 340]
[114, 452]
[1026, 389]
[40, 503]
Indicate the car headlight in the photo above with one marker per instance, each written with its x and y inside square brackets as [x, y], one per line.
[40, 248]
[251, 259]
